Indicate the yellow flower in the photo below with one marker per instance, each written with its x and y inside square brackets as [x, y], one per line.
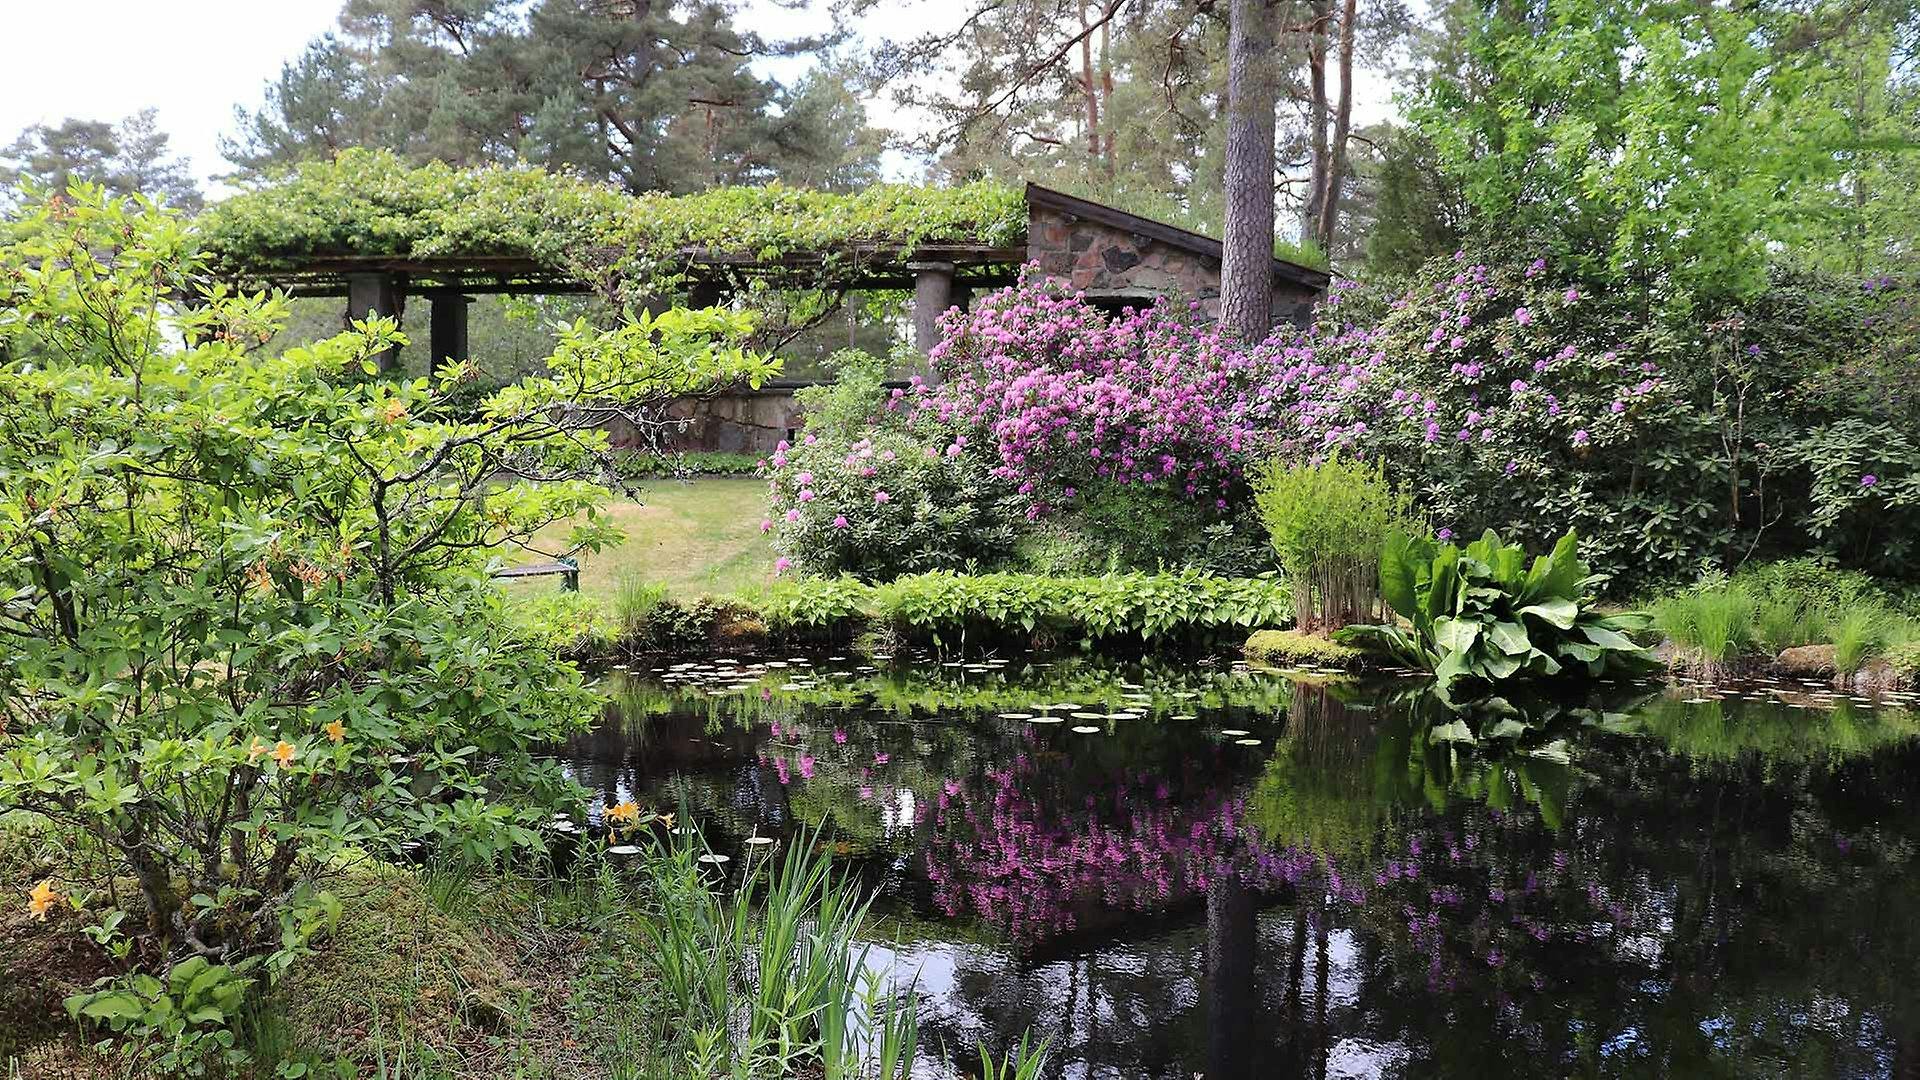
[283, 753]
[393, 411]
[626, 811]
[336, 731]
[42, 899]
[253, 752]
[667, 820]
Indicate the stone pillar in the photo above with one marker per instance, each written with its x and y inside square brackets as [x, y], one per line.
[369, 295]
[932, 294]
[447, 327]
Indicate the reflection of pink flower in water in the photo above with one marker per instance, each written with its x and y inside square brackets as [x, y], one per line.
[880, 758]
[1032, 852]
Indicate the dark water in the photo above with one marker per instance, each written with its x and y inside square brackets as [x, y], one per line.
[1365, 883]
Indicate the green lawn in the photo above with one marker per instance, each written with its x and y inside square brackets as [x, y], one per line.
[697, 537]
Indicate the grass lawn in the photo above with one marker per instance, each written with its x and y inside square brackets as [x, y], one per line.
[698, 537]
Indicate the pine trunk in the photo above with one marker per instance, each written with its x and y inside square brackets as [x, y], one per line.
[1246, 265]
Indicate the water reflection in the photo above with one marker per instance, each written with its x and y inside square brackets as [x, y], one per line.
[1239, 874]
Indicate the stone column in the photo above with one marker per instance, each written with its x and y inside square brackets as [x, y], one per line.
[447, 327]
[932, 294]
[369, 295]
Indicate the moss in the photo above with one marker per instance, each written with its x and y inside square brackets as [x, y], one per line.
[396, 968]
[1279, 647]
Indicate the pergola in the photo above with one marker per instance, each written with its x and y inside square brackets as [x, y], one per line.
[939, 274]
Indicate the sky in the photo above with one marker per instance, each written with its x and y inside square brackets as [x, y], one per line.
[196, 60]
[192, 60]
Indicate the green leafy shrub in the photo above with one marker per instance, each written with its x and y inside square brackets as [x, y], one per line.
[948, 607]
[635, 599]
[859, 494]
[247, 610]
[1329, 521]
[1116, 528]
[1480, 616]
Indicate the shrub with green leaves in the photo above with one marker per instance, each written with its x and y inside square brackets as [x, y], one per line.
[246, 619]
[1329, 521]
[860, 494]
[1479, 616]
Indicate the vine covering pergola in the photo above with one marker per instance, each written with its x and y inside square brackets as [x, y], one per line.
[373, 229]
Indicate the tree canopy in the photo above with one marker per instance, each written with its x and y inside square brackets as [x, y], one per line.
[127, 158]
[649, 95]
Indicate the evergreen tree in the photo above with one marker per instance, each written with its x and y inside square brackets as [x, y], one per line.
[128, 158]
[646, 94]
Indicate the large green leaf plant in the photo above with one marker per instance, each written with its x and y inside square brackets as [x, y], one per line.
[1481, 615]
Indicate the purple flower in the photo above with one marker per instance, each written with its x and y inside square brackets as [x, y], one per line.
[1572, 295]
[782, 564]
[1869, 480]
[1580, 438]
[1522, 316]
[793, 515]
[1444, 534]
[839, 521]
[881, 496]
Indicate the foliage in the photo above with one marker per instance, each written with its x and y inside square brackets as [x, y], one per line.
[372, 203]
[1329, 520]
[1671, 143]
[771, 990]
[947, 605]
[664, 97]
[1480, 616]
[635, 602]
[1114, 528]
[861, 493]
[128, 158]
[179, 1025]
[1720, 624]
[246, 616]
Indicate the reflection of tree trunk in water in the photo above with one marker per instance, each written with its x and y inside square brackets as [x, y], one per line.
[1231, 995]
[1321, 1039]
[1296, 973]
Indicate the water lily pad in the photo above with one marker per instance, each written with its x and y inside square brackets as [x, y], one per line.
[1016, 716]
[1046, 720]
[1088, 729]
[712, 859]
[1247, 742]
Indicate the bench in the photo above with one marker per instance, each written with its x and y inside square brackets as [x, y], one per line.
[568, 569]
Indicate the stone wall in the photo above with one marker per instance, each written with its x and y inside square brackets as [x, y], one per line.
[1114, 265]
[742, 422]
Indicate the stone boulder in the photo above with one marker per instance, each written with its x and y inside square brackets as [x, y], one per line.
[1815, 661]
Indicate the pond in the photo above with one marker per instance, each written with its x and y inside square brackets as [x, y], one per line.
[1199, 869]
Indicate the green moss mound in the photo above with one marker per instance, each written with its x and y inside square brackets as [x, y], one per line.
[396, 970]
[1291, 647]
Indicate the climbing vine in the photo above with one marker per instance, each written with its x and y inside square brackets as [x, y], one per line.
[370, 203]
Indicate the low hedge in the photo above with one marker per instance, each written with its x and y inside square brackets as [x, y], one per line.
[943, 606]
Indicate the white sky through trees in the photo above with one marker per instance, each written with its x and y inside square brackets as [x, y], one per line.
[195, 60]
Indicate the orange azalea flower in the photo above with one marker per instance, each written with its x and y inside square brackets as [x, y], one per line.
[253, 752]
[626, 811]
[393, 411]
[336, 731]
[667, 820]
[283, 753]
[42, 899]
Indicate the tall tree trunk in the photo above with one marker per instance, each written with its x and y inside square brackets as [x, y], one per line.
[1317, 28]
[1342, 125]
[1246, 263]
[1106, 93]
[1088, 86]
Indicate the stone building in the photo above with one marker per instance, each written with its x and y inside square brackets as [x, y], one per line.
[1118, 258]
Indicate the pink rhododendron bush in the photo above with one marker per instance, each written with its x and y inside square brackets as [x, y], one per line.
[1501, 392]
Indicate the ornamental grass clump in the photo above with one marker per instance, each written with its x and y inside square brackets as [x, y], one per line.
[1329, 521]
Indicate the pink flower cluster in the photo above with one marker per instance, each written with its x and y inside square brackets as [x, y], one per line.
[1063, 393]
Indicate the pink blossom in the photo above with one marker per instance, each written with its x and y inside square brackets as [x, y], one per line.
[839, 521]
[881, 497]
